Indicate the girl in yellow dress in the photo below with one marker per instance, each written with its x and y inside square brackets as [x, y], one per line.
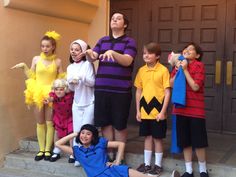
[45, 68]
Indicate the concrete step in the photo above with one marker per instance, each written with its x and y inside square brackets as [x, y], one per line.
[24, 161]
[170, 164]
[134, 160]
[12, 172]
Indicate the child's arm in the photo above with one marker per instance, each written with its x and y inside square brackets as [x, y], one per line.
[24, 67]
[61, 144]
[88, 78]
[48, 100]
[120, 150]
[162, 114]
[190, 80]
[30, 73]
[138, 96]
[91, 55]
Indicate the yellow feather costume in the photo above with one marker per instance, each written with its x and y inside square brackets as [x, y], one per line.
[39, 83]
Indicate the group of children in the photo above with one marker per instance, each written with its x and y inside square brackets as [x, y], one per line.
[72, 100]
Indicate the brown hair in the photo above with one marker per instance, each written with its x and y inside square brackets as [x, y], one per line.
[153, 47]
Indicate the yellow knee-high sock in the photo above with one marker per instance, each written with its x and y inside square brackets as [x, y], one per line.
[41, 135]
[49, 135]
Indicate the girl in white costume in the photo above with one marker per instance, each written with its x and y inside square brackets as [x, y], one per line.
[81, 79]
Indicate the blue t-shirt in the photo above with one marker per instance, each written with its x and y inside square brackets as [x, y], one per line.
[94, 158]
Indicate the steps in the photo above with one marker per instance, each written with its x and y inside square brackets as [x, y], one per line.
[20, 163]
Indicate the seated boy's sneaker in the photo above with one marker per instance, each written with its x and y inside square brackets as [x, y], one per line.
[155, 171]
[175, 173]
[76, 164]
[204, 174]
[144, 168]
[186, 174]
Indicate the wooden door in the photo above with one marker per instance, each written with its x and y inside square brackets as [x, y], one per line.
[212, 24]
[229, 70]
[177, 22]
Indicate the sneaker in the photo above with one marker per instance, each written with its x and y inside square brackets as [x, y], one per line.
[175, 173]
[186, 174]
[39, 156]
[76, 164]
[144, 168]
[54, 157]
[155, 171]
[71, 159]
[204, 174]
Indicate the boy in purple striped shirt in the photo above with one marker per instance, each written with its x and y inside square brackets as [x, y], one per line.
[113, 82]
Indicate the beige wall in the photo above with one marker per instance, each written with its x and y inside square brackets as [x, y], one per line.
[20, 34]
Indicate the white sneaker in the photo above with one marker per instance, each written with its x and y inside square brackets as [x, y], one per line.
[76, 164]
[175, 173]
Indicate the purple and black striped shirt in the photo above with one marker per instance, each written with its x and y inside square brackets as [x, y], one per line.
[111, 76]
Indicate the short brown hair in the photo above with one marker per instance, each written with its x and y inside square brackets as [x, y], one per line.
[153, 47]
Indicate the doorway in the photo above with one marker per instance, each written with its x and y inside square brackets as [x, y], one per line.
[173, 24]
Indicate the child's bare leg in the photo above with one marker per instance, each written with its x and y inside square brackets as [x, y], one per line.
[135, 173]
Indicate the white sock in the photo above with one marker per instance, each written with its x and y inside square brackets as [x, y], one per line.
[147, 157]
[202, 166]
[158, 158]
[189, 167]
[56, 150]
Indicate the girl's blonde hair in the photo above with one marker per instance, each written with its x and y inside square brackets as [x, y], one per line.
[60, 83]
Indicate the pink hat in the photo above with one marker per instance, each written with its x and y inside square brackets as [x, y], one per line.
[82, 44]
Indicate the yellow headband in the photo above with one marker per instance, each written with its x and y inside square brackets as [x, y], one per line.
[53, 34]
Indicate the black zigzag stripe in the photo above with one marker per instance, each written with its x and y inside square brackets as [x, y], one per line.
[154, 103]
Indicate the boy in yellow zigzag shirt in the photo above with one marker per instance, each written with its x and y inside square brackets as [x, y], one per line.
[152, 98]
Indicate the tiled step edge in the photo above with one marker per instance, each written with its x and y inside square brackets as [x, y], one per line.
[169, 164]
[25, 160]
[12, 172]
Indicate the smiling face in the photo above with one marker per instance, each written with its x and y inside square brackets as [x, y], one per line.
[60, 91]
[75, 52]
[190, 53]
[149, 58]
[86, 137]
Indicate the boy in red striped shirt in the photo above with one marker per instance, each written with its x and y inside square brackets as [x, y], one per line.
[191, 126]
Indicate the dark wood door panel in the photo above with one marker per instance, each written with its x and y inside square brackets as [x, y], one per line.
[229, 106]
[178, 22]
[173, 24]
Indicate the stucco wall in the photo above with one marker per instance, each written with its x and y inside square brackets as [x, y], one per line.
[20, 35]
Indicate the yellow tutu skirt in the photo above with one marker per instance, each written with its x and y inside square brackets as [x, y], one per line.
[36, 93]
